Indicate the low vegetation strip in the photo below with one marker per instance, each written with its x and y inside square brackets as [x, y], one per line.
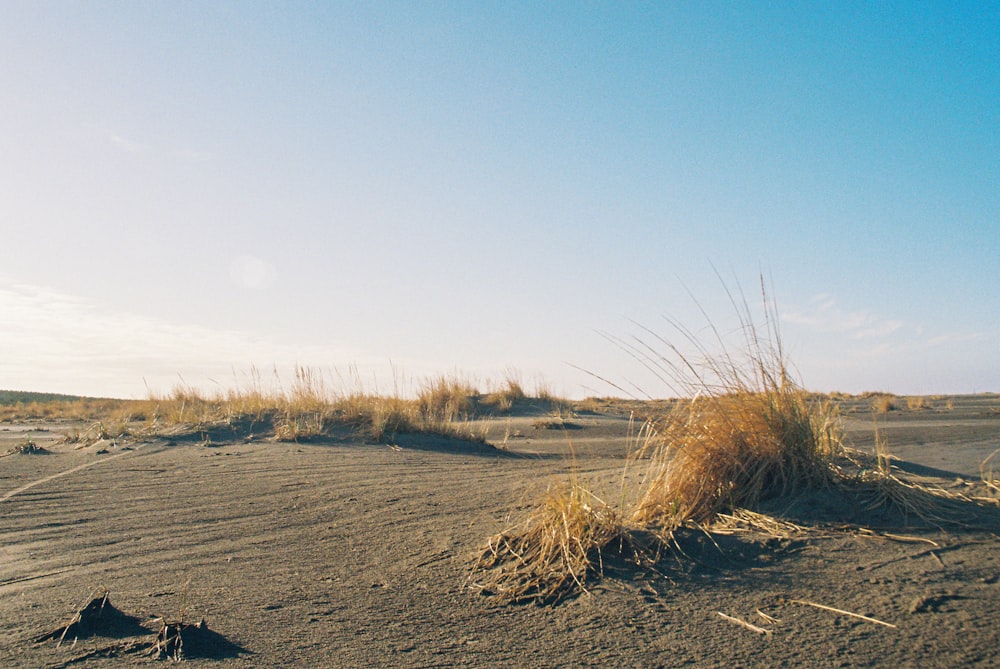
[306, 409]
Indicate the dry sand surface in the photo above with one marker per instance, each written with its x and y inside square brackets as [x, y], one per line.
[338, 553]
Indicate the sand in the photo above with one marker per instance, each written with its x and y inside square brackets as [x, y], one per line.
[338, 553]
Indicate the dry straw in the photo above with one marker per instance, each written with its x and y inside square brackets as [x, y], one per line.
[747, 433]
[554, 551]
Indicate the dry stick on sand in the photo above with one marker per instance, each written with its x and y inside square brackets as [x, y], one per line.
[910, 540]
[771, 620]
[843, 612]
[745, 624]
[933, 552]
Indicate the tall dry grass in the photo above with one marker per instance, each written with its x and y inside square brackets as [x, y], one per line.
[722, 452]
[750, 435]
[884, 403]
[748, 432]
[503, 398]
[448, 398]
[81, 408]
[309, 407]
[306, 407]
[989, 475]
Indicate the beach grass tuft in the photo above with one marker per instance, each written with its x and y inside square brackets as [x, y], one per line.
[746, 433]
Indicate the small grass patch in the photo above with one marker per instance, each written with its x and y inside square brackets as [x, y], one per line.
[503, 399]
[557, 549]
[883, 404]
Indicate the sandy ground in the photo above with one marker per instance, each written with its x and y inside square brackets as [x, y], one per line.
[345, 554]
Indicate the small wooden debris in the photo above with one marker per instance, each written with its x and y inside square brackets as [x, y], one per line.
[842, 612]
[910, 540]
[770, 620]
[744, 624]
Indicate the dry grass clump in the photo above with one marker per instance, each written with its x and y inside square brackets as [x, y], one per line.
[305, 409]
[873, 478]
[733, 451]
[989, 475]
[749, 433]
[382, 418]
[555, 551]
[590, 405]
[884, 403]
[503, 399]
[308, 408]
[746, 434]
[447, 399]
[64, 408]
[109, 428]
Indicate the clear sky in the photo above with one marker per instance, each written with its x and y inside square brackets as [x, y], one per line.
[192, 188]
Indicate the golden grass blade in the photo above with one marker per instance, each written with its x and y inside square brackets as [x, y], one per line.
[901, 538]
[910, 540]
[988, 475]
[744, 624]
[771, 620]
[842, 612]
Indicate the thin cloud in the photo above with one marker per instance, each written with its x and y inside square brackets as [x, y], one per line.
[879, 329]
[249, 271]
[951, 338]
[126, 145]
[170, 150]
[194, 155]
[875, 335]
[824, 313]
[54, 341]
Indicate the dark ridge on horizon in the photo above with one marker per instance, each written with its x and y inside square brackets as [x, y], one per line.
[8, 397]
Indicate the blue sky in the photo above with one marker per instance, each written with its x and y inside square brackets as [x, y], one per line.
[188, 189]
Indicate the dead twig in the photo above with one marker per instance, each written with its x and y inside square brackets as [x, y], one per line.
[924, 553]
[770, 620]
[901, 538]
[842, 612]
[744, 624]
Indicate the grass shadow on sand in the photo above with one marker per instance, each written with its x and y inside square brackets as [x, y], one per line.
[98, 617]
[99, 620]
[178, 640]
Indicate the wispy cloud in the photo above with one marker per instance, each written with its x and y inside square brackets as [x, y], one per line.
[859, 349]
[953, 338]
[55, 341]
[194, 155]
[169, 149]
[249, 271]
[124, 144]
[824, 313]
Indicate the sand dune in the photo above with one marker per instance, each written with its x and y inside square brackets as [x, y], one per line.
[347, 554]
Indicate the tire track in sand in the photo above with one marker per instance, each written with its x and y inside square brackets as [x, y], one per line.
[17, 491]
